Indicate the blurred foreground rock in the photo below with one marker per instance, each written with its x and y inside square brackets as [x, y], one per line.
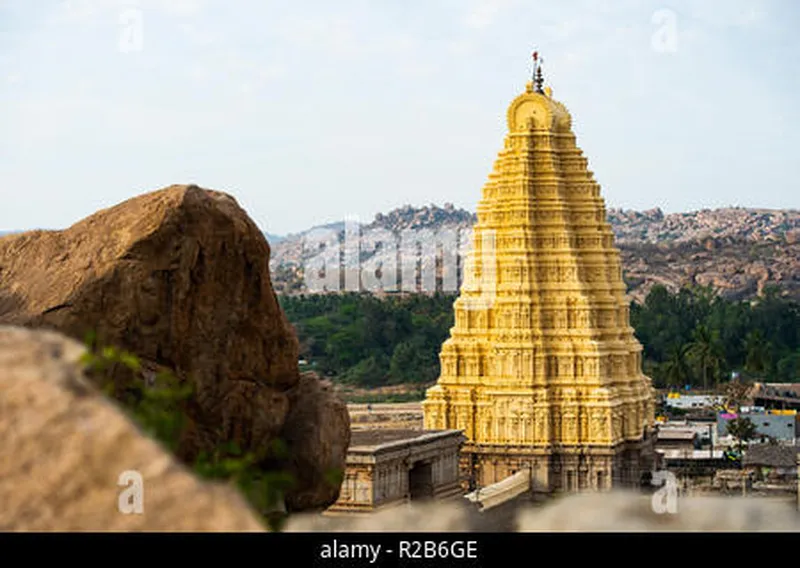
[609, 512]
[630, 512]
[64, 448]
[180, 278]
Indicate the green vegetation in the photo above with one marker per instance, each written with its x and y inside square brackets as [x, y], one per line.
[743, 430]
[695, 337]
[691, 337]
[160, 409]
[366, 341]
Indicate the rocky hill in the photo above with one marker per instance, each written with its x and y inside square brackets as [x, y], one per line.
[737, 251]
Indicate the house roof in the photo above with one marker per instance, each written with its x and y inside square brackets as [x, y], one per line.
[675, 434]
[681, 454]
[771, 455]
[774, 391]
[383, 439]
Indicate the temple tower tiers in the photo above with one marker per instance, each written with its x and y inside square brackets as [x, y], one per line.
[542, 369]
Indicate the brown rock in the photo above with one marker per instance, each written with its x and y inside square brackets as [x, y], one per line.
[179, 277]
[317, 432]
[66, 449]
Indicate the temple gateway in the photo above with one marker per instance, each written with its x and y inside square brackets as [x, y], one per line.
[542, 371]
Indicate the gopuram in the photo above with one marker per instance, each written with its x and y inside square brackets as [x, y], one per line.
[542, 370]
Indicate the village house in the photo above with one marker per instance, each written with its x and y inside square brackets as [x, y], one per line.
[677, 438]
[772, 463]
[698, 465]
[784, 396]
[781, 426]
[692, 402]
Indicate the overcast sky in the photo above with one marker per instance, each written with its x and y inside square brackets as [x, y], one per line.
[310, 112]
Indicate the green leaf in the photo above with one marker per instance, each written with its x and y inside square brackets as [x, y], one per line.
[90, 340]
[110, 353]
[87, 358]
[130, 361]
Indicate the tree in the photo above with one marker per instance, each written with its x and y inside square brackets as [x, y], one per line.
[370, 372]
[403, 363]
[706, 353]
[677, 369]
[757, 351]
[743, 430]
[788, 367]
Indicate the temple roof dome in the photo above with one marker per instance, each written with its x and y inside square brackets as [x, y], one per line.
[534, 110]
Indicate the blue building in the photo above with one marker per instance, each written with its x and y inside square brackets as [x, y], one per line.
[782, 427]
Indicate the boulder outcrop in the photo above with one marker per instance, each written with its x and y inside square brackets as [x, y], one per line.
[70, 457]
[180, 278]
[317, 452]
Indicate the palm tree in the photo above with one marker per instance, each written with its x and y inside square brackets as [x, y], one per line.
[676, 368]
[758, 353]
[705, 351]
[703, 296]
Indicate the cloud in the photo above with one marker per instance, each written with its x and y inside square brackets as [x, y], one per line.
[328, 35]
[562, 30]
[483, 13]
[199, 36]
[460, 47]
[92, 12]
[232, 71]
[396, 44]
[430, 71]
[181, 8]
[732, 14]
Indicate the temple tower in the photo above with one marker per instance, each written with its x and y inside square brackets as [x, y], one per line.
[542, 369]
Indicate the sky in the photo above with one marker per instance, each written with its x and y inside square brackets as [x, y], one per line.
[314, 112]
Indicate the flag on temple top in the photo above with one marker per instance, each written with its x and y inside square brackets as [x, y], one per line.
[537, 61]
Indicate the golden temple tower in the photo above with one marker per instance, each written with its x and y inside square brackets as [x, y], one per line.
[542, 369]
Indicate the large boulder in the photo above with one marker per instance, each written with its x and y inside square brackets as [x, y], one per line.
[70, 458]
[317, 452]
[180, 278]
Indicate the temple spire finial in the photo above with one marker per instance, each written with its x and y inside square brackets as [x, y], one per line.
[537, 79]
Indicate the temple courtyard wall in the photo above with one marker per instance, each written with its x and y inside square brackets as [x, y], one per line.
[390, 468]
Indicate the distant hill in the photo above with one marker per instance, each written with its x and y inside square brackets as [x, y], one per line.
[737, 251]
[273, 239]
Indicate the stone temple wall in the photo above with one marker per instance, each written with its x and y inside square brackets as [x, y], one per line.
[390, 468]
